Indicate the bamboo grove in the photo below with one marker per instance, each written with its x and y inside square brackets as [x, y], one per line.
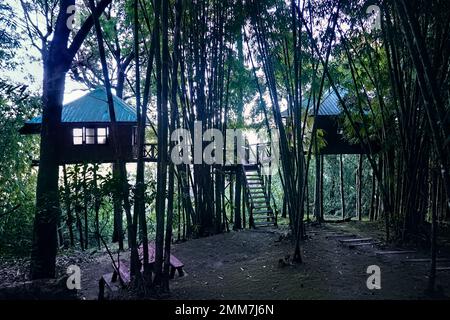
[183, 62]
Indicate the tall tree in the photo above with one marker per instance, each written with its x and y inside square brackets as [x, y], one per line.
[57, 55]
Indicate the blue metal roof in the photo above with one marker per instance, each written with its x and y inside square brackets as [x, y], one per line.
[93, 107]
[329, 105]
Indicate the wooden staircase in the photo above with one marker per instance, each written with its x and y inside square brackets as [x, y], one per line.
[258, 202]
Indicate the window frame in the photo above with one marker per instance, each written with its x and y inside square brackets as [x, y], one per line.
[78, 136]
[95, 136]
[92, 136]
[105, 136]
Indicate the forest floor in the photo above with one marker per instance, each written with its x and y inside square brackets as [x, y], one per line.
[246, 265]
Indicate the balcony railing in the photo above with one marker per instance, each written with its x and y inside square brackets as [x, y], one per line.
[150, 152]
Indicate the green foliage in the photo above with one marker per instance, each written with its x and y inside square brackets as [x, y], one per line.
[89, 185]
[9, 38]
[17, 177]
[94, 185]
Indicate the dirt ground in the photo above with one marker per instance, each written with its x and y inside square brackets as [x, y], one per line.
[245, 265]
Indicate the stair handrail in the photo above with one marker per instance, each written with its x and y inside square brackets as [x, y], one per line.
[248, 197]
[264, 188]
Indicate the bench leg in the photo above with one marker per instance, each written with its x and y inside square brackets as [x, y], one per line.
[180, 272]
[114, 276]
[101, 289]
[172, 272]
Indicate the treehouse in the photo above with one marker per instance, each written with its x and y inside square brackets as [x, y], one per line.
[329, 120]
[84, 135]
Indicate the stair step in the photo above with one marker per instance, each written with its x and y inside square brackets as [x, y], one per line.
[259, 197]
[264, 219]
[260, 201]
[263, 224]
[261, 207]
[263, 216]
[261, 212]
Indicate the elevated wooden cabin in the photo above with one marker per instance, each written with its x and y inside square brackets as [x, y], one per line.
[85, 131]
[329, 119]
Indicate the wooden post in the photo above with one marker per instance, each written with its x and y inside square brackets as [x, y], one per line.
[60, 236]
[68, 206]
[97, 203]
[231, 199]
[117, 204]
[244, 201]
[317, 189]
[321, 187]
[237, 208]
[179, 211]
[433, 236]
[372, 198]
[307, 199]
[341, 161]
[358, 188]
[85, 207]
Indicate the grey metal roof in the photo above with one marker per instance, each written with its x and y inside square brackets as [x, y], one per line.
[329, 105]
[93, 107]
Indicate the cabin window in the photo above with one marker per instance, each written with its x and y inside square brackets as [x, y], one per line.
[90, 135]
[102, 134]
[78, 136]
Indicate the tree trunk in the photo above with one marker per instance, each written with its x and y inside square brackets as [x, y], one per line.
[174, 116]
[43, 254]
[162, 75]
[57, 57]
[122, 177]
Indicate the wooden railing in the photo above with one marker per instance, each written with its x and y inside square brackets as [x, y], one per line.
[252, 154]
[256, 153]
[150, 152]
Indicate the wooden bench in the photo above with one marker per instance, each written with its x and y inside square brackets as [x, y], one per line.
[120, 277]
[175, 264]
[124, 272]
[114, 280]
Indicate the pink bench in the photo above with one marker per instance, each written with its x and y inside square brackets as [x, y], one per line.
[175, 264]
